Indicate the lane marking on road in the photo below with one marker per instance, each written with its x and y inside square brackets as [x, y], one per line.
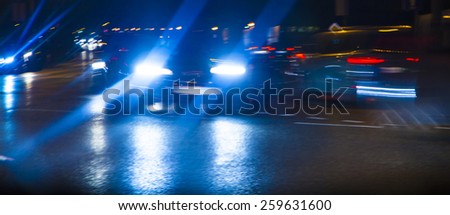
[427, 116]
[442, 128]
[389, 121]
[316, 118]
[394, 125]
[353, 121]
[414, 117]
[4, 158]
[287, 115]
[340, 125]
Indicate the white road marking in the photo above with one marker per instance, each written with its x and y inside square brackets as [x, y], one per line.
[442, 128]
[316, 118]
[339, 125]
[413, 116]
[353, 121]
[387, 117]
[427, 116]
[394, 125]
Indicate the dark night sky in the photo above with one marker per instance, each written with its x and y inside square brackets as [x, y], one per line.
[303, 12]
[158, 12]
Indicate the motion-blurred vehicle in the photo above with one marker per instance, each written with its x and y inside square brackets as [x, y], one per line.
[196, 57]
[284, 52]
[22, 51]
[13, 60]
[372, 62]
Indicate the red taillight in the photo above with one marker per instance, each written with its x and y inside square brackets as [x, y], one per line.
[300, 56]
[268, 48]
[413, 59]
[365, 60]
[290, 49]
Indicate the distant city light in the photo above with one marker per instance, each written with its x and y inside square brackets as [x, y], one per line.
[388, 30]
[162, 29]
[170, 29]
[179, 28]
[106, 24]
[215, 28]
[446, 17]
[80, 31]
[251, 24]
[17, 25]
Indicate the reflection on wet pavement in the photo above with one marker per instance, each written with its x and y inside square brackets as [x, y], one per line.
[149, 170]
[231, 170]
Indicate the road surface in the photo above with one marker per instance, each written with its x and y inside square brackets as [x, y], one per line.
[52, 142]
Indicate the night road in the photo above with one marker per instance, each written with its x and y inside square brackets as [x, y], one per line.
[50, 144]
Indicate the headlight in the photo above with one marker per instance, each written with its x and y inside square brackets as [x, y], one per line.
[8, 60]
[227, 69]
[151, 71]
[28, 55]
[98, 65]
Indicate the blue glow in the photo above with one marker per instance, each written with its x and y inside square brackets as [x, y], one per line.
[149, 167]
[386, 92]
[386, 89]
[260, 52]
[43, 30]
[360, 72]
[148, 70]
[9, 84]
[228, 69]
[186, 15]
[28, 55]
[7, 60]
[230, 170]
[98, 169]
[9, 101]
[32, 19]
[98, 65]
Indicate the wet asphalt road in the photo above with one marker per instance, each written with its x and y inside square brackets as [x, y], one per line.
[52, 143]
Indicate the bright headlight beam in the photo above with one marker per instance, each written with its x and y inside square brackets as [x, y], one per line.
[9, 60]
[28, 54]
[228, 70]
[98, 65]
[149, 70]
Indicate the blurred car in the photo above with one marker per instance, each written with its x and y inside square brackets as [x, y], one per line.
[194, 58]
[284, 53]
[12, 61]
[372, 62]
[21, 50]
